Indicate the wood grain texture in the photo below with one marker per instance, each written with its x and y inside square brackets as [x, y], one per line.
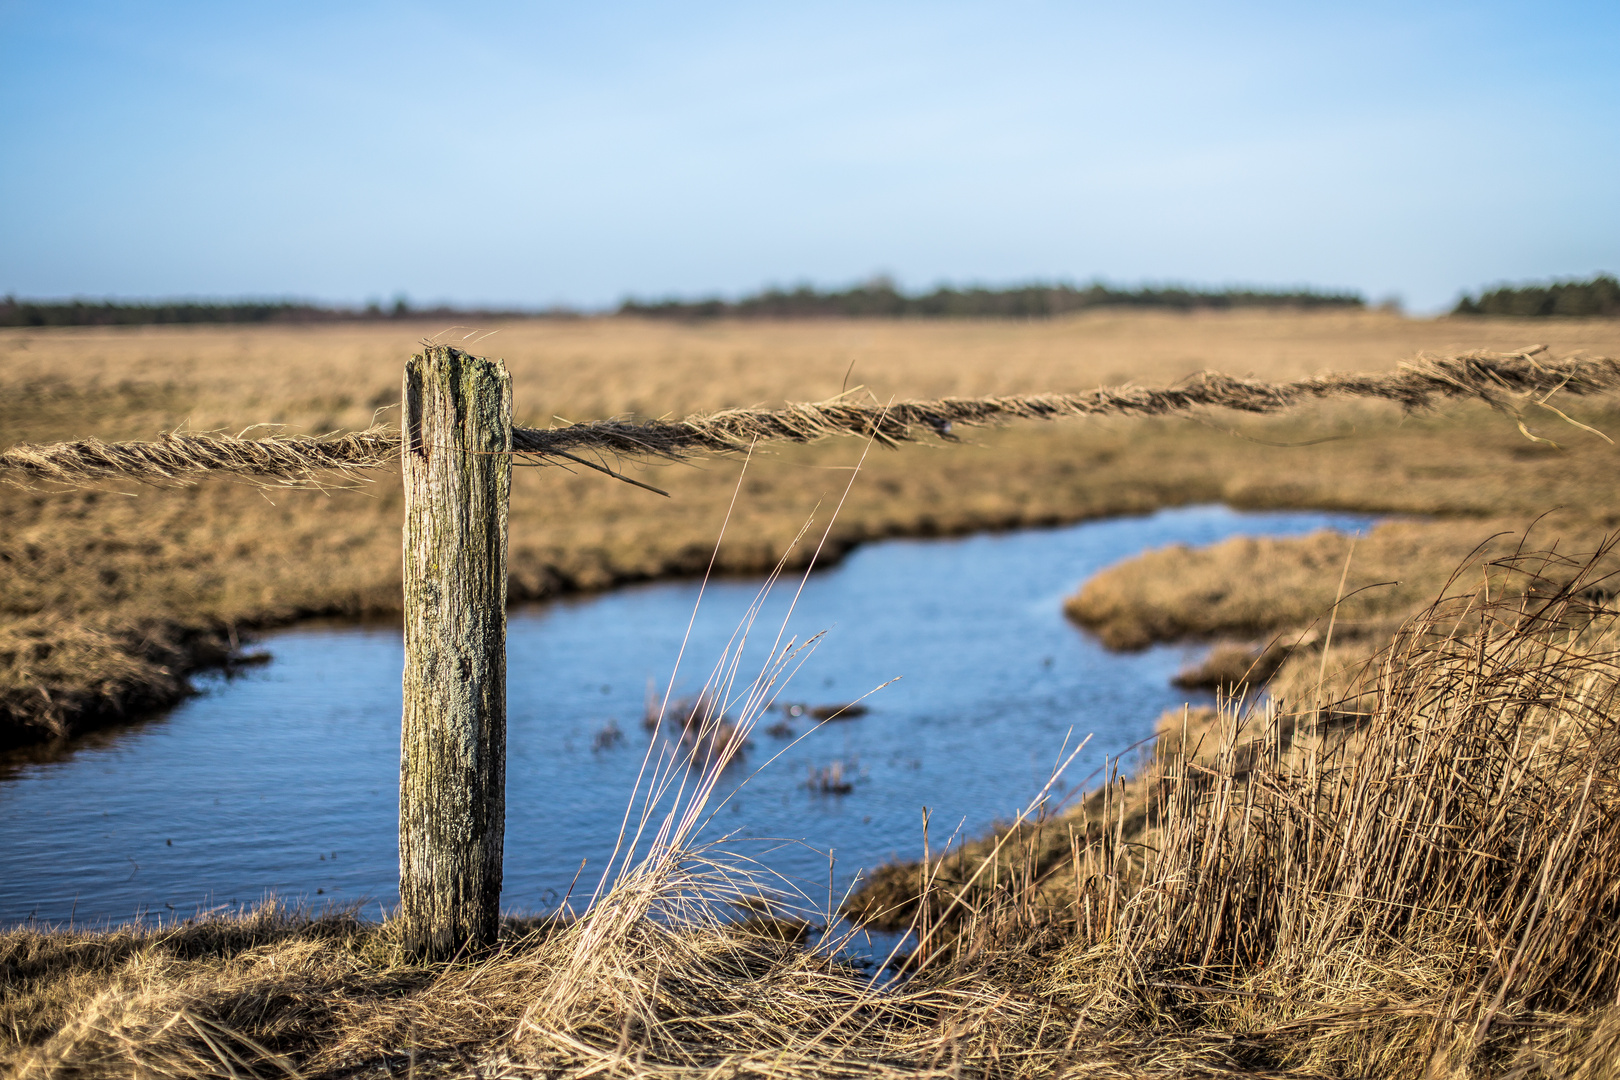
[452, 788]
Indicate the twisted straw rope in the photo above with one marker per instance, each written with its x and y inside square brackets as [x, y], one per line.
[1504, 380]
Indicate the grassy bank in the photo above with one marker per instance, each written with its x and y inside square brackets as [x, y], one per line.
[1400, 870]
[1412, 876]
[108, 598]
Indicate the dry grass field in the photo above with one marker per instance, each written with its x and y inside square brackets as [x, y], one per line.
[108, 597]
[1405, 868]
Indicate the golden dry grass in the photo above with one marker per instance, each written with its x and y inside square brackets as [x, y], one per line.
[108, 597]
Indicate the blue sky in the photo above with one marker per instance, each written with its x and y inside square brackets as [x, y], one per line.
[489, 152]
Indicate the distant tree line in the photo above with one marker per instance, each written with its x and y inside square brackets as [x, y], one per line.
[1600, 296]
[880, 298]
[15, 312]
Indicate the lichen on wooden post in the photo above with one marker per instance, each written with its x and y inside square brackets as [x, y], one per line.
[457, 467]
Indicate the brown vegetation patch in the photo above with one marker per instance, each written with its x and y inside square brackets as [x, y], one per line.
[1263, 586]
[59, 678]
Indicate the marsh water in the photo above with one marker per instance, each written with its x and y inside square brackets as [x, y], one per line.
[283, 780]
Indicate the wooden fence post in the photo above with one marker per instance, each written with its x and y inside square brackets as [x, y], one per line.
[452, 781]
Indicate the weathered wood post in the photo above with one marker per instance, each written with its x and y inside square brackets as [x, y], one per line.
[452, 779]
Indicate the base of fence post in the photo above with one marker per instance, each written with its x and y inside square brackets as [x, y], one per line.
[457, 469]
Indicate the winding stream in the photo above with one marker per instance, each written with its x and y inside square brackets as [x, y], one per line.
[283, 780]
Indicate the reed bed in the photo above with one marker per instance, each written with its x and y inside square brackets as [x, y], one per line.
[1417, 875]
[1421, 876]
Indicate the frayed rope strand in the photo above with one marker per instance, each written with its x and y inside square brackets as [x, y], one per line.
[1506, 381]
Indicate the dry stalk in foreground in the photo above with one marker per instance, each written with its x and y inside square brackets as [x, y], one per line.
[1507, 381]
